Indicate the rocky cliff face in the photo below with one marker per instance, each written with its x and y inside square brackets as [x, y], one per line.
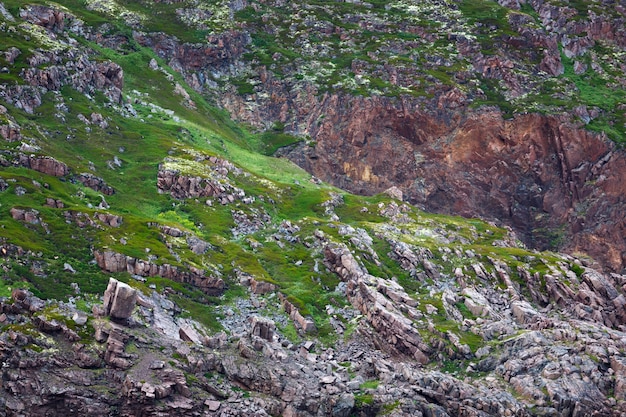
[554, 183]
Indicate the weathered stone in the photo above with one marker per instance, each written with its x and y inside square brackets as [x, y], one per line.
[119, 299]
[47, 326]
[523, 312]
[49, 18]
[394, 192]
[95, 183]
[44, 164]
[28, 216]
[261, 287]
[189, 334]
[263, 328]
[476, 303]
[80, 318]
[51, 202]
[116, 262]
[215, 184]
[109, 219]
[197, 245]
[381, 313]
[10, 132]
[212, 405]
[305, 324]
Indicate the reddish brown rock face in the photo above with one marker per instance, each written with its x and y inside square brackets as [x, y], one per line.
[556, 185]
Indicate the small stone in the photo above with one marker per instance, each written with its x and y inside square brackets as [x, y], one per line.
[330, 379]
[79, 318]
[189, 334]
[394, 192]
[431, 309]
[213, 405]
[552, 370]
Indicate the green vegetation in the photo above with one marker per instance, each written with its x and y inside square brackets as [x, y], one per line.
[486, 13]
[388, 408]
[363, 400]
[373, 384]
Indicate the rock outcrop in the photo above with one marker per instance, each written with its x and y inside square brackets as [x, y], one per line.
[554, 184]
[302, 323]
[9, 129]
[352, 306]
[212, 183]
[183, 186]
[370, 295]
[49, 70]
[585, 364]
[119, 299]
[545, 176]
[116, 262]
[95, 183]
[44, 164]
[207, 60]
[54, 20]
[10, 132]
[28, 216]
[263, 328]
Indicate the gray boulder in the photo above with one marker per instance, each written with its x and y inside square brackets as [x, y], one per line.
[119, 299]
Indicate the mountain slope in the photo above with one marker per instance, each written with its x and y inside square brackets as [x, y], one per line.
[370, 83]
[254, 287]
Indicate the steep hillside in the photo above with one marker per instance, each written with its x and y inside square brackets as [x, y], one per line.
[156, 261]
[389, 93]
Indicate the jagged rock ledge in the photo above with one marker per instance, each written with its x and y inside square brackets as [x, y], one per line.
[116, 262]
[367, 293]
[213, 183]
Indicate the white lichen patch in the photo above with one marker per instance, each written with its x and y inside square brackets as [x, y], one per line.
[212, 17]
[145, 107]
[47, 40]
[269, 185]
[113, 9]
[195, 153]
[416, 233]
[185, 166]
[423, 9]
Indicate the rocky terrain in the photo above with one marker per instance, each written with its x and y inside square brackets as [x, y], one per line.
[430, 97]
[156, 261]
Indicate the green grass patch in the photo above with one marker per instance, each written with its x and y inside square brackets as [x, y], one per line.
[203, 313]
[271, 141]
[373, 384]
[363, 400]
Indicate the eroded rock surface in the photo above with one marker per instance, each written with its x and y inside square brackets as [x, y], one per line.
[535, 173]
[116, 262]
[119, 299]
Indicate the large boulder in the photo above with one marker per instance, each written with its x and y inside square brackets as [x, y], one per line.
[262, 327]
[119, 299]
